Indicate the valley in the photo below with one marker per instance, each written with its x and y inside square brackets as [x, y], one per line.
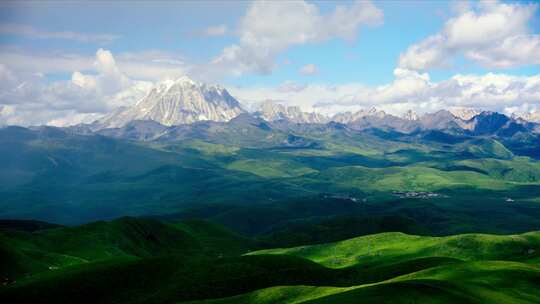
[278, 206]
[270, 152]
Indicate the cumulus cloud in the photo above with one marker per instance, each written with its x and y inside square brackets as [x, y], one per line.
[109, 78]
[29, 100]
[491, 33]
[270, 27]
[32, 32]
[149, 65]
[309, 69]
[409, 90]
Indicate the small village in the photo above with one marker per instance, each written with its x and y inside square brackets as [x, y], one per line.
[418, 194]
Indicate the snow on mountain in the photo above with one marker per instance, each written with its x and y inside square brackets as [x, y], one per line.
[272, 111]
[410, 115]
[530, 116]
[464, 113]
[185, 101]
[348, 117]
[182, 101]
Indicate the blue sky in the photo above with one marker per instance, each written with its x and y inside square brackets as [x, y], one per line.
[360, 50]
[170, 26]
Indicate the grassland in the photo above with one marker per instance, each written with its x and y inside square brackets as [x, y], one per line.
[479, 269]
[146, 261]
[247, 213]
[28, 253]
[66, 178]
[395, 247]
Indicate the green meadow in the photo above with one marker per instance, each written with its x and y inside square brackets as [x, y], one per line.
[245, 213]
[147, 261]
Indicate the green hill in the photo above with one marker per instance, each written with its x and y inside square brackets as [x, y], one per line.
[58, 176]
[385, 267]
[27, 253]
[477, 282]
[484, 271]
[393, 247]
[297, 185]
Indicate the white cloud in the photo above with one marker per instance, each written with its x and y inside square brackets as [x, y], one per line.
[512, 51]
[153, 65]
[150, 65]
[309, 69]
[85, 96]
[32, 32]
[7, 78]
[270, 27]
[409, 90]
[22, 61]
[30, 100]
[491, 33]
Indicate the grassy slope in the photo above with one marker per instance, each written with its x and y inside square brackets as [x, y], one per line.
[392, 247]
[411, 178]
[475, 282]
[64, 178]
[118, 262]
[169, 278]
[27, 253]
[391, 267]
[475, 279]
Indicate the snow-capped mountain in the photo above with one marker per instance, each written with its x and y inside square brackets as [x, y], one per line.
[441, 120]
[348, 117]
[464, 113]
[182, 101]
[410, 115]
[272, 111]
[488, 122]
[530, 116]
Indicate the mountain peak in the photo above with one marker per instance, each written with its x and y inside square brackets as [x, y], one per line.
[464, 113]
[271, 111]
[533, 116]
[410, 115]
[348, 117]
[175, 102]
[184, 82]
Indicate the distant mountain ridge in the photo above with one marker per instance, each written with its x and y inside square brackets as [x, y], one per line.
[464, 113]
[529, 116]
[184, 101]
[272, 111]
[248, 127]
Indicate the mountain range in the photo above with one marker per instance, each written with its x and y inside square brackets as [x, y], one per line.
[185, 101]
[219, 193]
[168, 149]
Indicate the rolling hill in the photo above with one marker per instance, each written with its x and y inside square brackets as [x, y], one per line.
[470, 268]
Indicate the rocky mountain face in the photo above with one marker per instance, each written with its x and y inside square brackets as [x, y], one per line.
[272, 111]
[410, 115]
[464, 113]
[441, 120]
[349, 117]
[529, 116]
[182, 101]
[493, 123]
